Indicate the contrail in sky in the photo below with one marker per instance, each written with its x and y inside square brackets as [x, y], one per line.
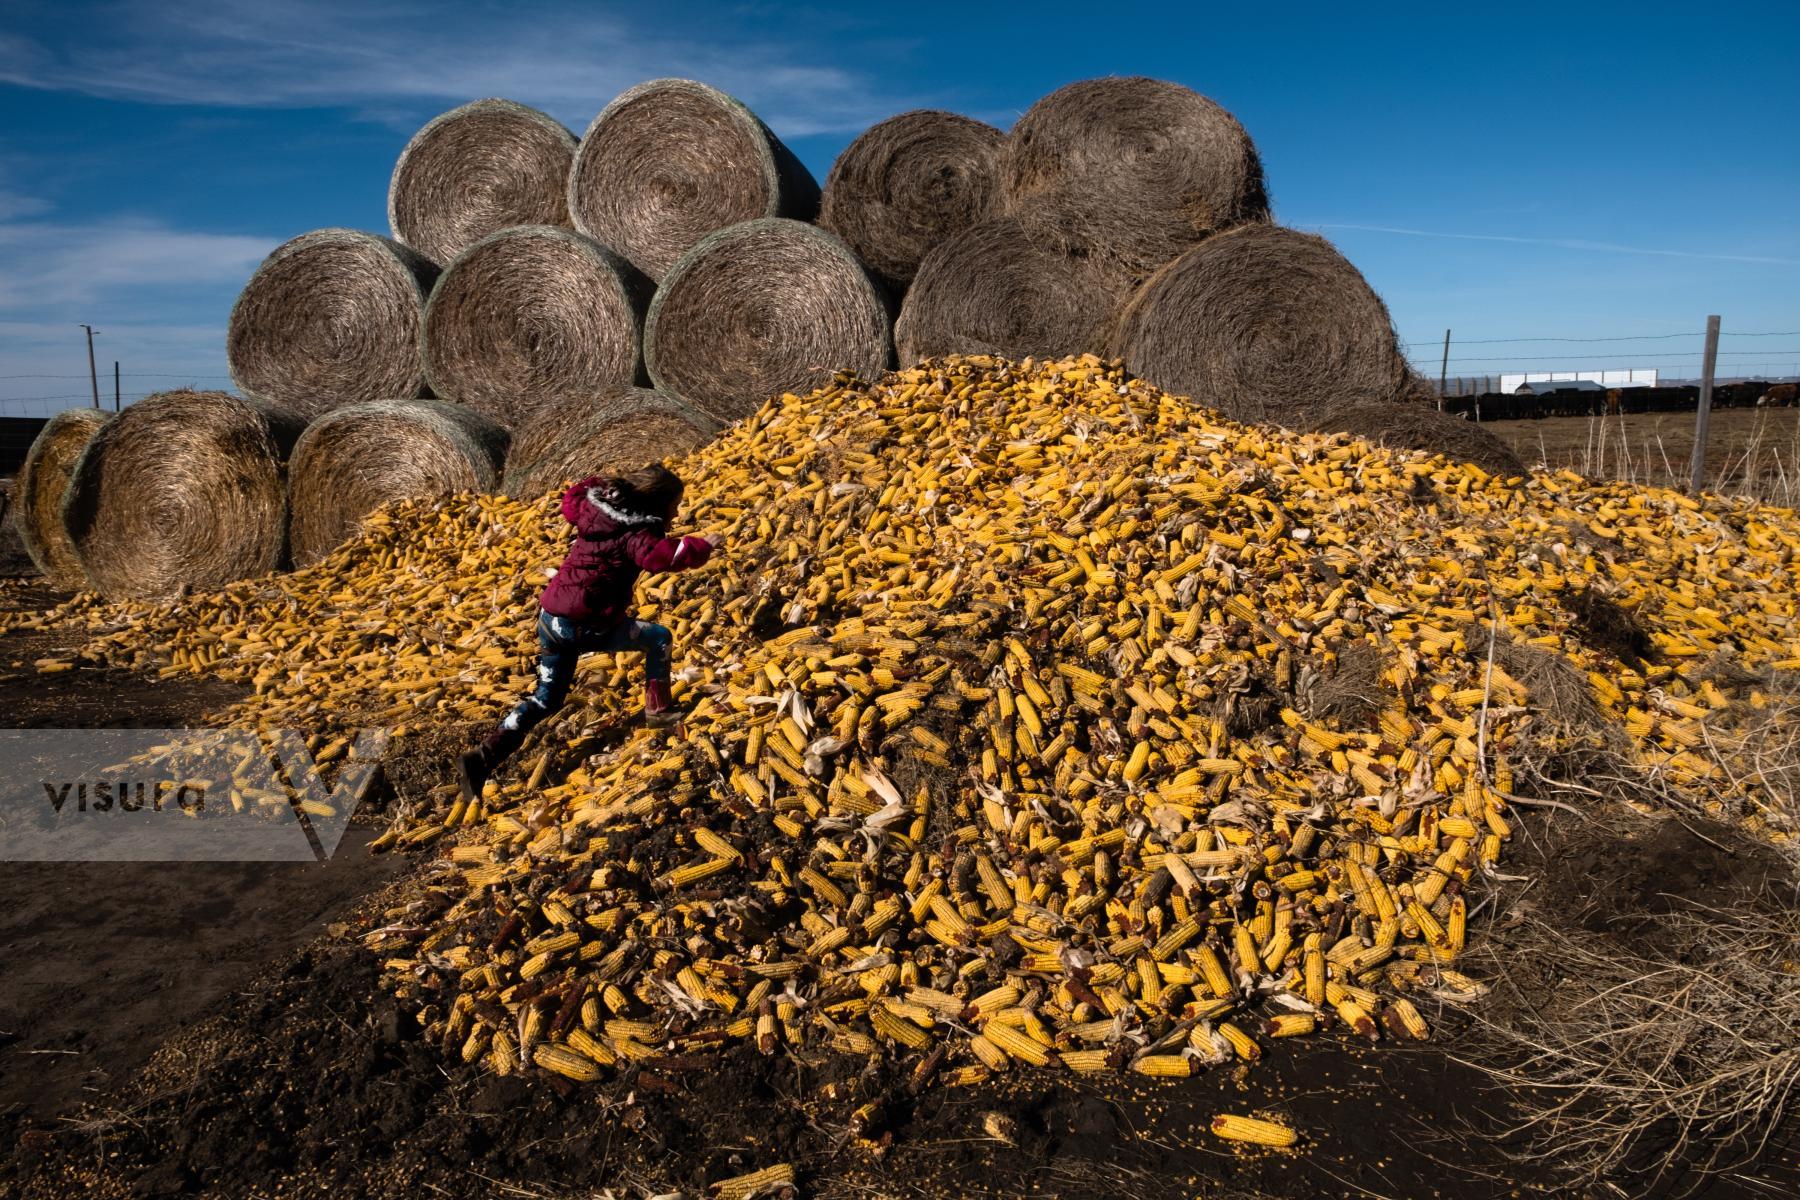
[1562, 243]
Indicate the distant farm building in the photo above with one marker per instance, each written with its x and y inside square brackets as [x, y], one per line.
[1545, 387]
[1622, 378]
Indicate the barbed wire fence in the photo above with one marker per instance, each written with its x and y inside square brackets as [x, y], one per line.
[1746, 356]
[1450, 373]
[52, 393]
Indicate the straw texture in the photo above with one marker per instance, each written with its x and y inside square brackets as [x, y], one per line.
[182, 491]
[1411, 424]
[529, 317]
[616, 429]
[1264, 324]
[999, 289]
[42, 482]
[478, 169]
[351, 461]
[762, 308]
[672, 160]
[331, 318]
[909, 183]
[1134, 170]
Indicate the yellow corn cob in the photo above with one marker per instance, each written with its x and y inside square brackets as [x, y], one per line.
[1254, 1130]
[1242, 1044]
[566, 1062]
[1162, 1066]
[756, 1183]
[990, 1054]
[1015, 1044]
[1085, 1062]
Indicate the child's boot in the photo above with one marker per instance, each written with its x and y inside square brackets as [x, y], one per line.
[475, 767]
[659, 705]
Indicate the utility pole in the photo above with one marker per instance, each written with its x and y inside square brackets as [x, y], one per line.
[115, 385]
[1697, 473]
[1444, 371]
[93, 377]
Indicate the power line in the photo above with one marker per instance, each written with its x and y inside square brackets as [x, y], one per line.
[1633, 337]
[129, 375]
[1759, 354]
[1623, 337]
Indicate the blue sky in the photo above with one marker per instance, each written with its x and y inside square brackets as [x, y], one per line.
[1579, 170]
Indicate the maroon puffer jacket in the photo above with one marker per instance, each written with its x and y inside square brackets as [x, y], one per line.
[593, 585]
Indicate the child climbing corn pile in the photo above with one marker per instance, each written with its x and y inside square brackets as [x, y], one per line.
[619, 533]
[1037, 717]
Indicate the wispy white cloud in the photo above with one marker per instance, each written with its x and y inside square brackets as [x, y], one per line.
[45, 264]
[1560, 243]
[13, 205]
[44, 367]
[159, 296]
[390, 60]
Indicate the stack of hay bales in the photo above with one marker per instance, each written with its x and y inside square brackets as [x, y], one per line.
[537, 282]
[690, 249]
[617, 428]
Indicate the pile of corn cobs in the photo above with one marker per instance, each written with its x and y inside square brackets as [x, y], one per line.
[1035, 717]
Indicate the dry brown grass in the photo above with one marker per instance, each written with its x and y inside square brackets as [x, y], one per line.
[1656, 1069]
[1651, 1042]
[1752, 453]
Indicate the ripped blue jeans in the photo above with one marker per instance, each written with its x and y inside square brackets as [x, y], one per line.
[562, 642]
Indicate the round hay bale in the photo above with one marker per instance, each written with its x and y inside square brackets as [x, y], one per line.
[1133, 169]
[907, 184]
[528, 317]
[181, 491]
[355, 459]
[331, 318]
[476, 170]
[669, 161]
[761, 308]
[1000, 288]
[38, 493]
[1264, 324]
[616, 429]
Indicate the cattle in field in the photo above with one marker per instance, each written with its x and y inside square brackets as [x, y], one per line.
[1613, 401]
[1737, 395]
[1779, 395]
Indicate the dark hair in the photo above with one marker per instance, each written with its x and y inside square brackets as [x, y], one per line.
[652, 489]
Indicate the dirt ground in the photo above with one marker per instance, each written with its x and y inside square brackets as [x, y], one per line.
[1748, 450]
[218, 1030]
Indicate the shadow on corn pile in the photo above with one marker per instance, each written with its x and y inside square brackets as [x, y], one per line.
[312, 1082]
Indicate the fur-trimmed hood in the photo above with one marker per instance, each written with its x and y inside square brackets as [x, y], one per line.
[609, 498]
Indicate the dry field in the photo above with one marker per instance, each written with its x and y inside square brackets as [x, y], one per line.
[1752, 452]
